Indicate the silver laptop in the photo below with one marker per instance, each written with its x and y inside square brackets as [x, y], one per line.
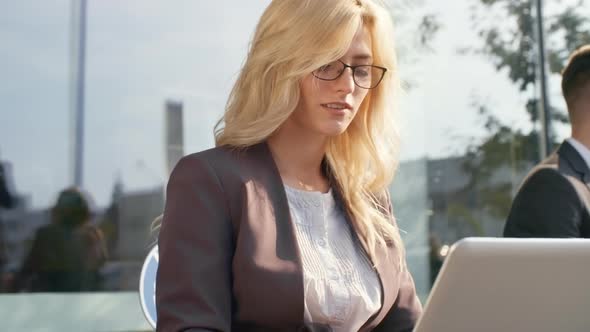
[501, 284]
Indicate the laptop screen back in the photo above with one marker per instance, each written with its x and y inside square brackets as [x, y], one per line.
[499, 284]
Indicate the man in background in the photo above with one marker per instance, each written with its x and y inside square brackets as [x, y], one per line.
[554, 200]
[6, 202]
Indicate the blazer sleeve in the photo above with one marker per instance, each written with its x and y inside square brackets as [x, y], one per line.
[193, 282]
[547, 205]
[406, 309]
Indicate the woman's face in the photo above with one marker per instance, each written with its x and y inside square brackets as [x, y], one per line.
[328, 107]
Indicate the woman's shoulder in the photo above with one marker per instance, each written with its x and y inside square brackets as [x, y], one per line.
[211, 155]
[227, 154]
[224, 160]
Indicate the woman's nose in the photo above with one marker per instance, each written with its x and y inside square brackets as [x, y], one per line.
[345, 82]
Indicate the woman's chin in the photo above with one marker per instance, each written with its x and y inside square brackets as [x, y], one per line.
[334, 130]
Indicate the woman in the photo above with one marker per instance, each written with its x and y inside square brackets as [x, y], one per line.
[286, 225]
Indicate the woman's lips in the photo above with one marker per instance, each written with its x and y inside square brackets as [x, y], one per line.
[336, 108]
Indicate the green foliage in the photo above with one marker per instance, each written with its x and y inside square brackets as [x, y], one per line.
[513, 49]
[575, 31]
[427, 29]
[503, 149]
[510, 44]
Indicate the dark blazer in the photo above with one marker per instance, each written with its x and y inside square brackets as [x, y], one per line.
[229, 258]
[554, 200]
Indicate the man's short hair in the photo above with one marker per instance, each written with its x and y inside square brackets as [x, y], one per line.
[576, 75]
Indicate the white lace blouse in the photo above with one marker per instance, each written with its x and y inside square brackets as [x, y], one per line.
[341, 288]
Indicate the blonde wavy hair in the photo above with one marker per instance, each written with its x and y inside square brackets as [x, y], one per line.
[292, 39]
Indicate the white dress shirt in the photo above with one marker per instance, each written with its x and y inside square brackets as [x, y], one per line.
[581, 148]
[341, 289]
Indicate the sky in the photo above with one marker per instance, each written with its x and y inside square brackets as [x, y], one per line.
[142, 52]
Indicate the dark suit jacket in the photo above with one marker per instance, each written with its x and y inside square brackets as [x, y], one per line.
[229, 258]
[554, 200]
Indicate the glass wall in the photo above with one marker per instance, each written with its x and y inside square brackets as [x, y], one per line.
[157, 77]
[471, 114]
[34, 122]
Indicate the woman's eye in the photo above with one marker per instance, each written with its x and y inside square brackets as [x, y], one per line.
[362, 72]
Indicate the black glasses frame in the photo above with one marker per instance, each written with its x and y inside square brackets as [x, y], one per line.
[353, 69]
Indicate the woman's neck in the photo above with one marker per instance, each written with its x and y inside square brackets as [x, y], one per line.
[299, 159]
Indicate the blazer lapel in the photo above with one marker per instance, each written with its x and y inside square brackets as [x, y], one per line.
[388, 273]
[268, 198]
[383, 264]
[569, 153]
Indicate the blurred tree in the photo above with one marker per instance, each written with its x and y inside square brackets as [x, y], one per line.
[512, 45]
[416, 27]
[507, 31]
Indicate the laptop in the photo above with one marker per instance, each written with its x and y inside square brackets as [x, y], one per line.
[505, 284]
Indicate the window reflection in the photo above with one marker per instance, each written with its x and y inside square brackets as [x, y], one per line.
[470, 124]
[68, 252]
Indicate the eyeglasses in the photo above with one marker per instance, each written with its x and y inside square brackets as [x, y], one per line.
[364, 76]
